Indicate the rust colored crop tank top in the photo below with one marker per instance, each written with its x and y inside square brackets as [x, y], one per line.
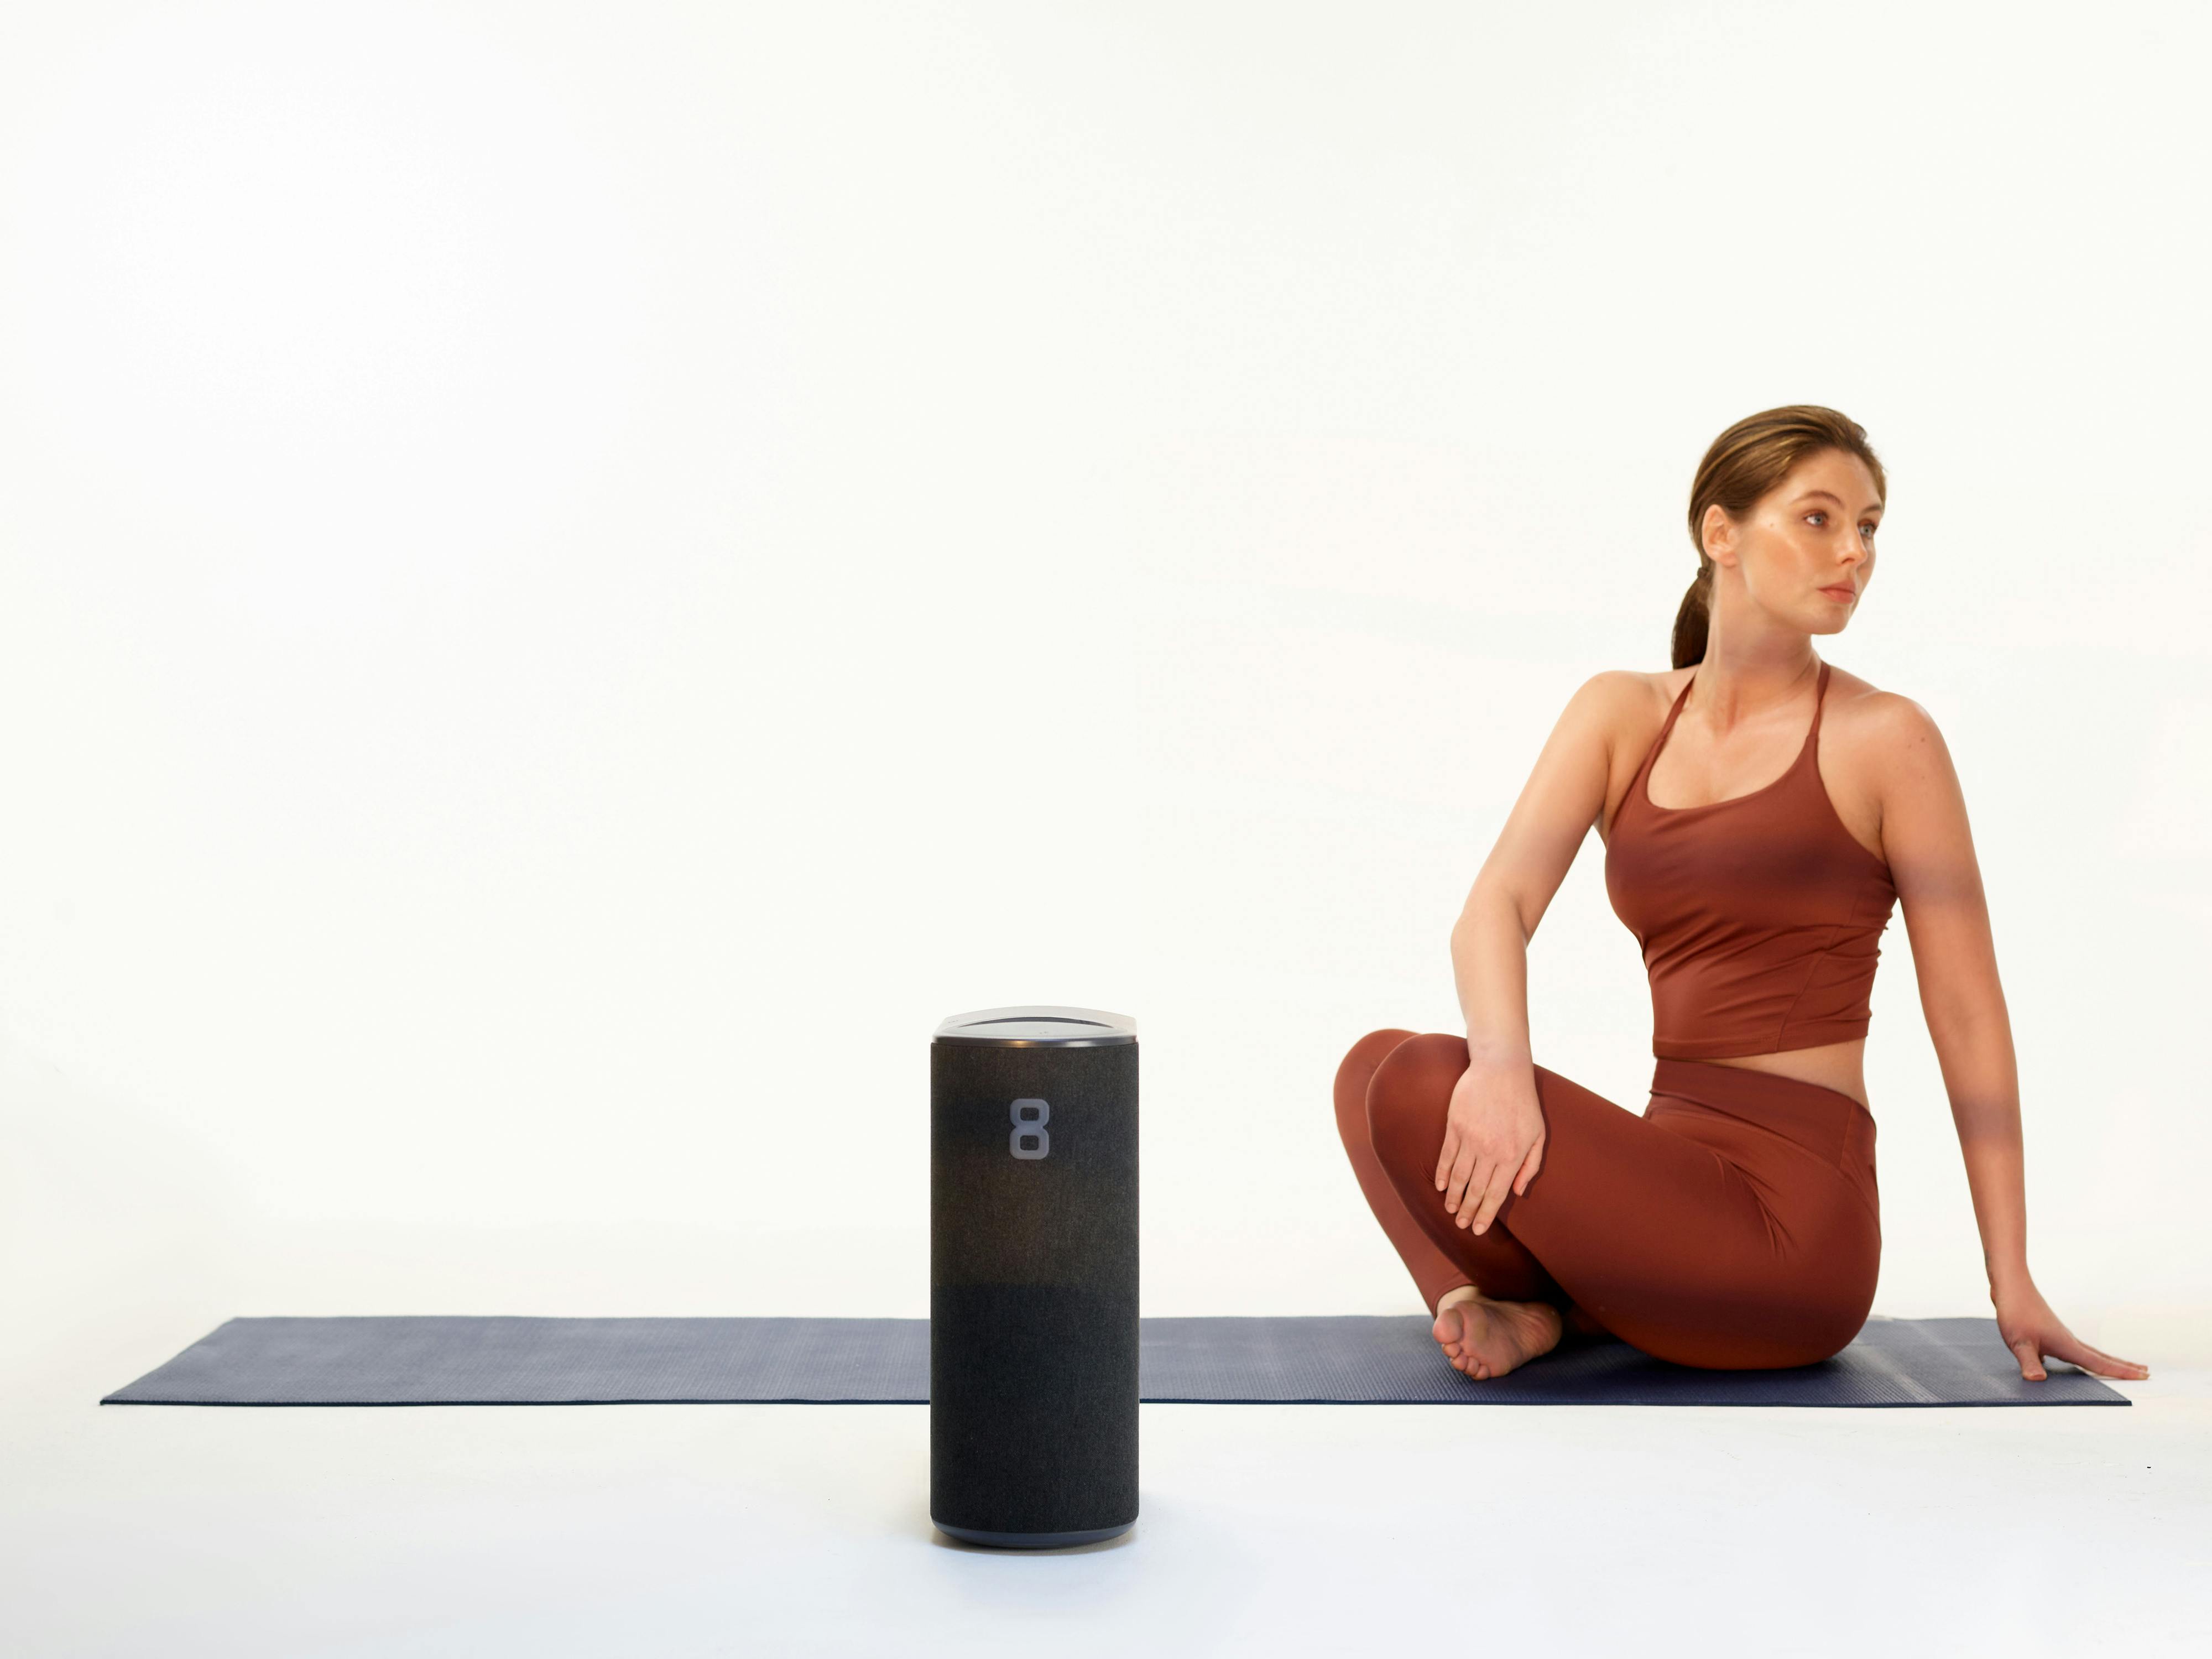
[1760, 915]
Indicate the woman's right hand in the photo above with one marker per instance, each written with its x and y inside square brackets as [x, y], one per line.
[1493, 1140]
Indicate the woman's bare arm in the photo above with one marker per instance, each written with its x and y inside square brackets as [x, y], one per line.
[1494, 1125]
[1930, 850]
[1559, 805]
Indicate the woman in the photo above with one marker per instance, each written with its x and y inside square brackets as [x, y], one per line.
[1761, 815]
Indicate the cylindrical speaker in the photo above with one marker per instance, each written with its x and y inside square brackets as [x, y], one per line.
[1033, 1276]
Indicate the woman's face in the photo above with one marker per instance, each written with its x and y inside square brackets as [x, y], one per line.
[1806, 550]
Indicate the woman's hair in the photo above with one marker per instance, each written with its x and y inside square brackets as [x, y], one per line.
[1744, 463]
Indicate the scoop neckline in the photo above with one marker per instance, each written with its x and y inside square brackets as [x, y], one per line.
[1643, 780]
[1651, 761]
[1708, 806]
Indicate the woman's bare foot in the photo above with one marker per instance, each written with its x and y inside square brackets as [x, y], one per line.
[1486, 1338]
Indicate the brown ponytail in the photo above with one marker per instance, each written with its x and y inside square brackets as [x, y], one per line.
[1744, 463]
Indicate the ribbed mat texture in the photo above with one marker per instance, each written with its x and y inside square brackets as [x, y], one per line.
[443, 1359]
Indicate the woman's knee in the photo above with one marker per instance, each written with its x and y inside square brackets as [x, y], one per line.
[1416, 1070]
[1848, 1311]
[1353, 1074]
[1803, 1332]
[1410, 1094]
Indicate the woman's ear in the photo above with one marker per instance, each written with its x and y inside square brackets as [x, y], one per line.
[1718, 534]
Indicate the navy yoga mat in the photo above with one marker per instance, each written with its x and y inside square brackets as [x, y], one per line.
[437, 1359]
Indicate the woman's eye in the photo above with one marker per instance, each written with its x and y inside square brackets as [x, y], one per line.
[1870, 528]
[1816, 515]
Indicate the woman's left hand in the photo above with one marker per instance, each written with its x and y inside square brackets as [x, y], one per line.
[2032, 1330]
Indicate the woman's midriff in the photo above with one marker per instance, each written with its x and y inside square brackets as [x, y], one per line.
[1838, 1065]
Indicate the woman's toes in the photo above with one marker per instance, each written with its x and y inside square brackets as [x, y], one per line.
[1483, 1340]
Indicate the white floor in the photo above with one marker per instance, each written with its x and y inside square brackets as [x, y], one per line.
[674, 1530]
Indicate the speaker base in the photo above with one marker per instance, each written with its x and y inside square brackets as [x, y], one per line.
[1032, 1540]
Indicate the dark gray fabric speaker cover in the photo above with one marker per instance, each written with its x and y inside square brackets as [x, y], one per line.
[1034, 1334]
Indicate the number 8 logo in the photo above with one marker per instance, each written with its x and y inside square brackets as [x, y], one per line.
[1030, 1137]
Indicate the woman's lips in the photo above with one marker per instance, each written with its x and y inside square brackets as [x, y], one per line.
[1846, 594]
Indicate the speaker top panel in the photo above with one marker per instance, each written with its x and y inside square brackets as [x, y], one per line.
[1032, 1025]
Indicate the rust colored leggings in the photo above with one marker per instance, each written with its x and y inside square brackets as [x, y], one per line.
[1733, 1225]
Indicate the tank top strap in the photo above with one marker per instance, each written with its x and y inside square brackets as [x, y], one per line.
[1675, 712]
[1636, 783]
[1820, 703]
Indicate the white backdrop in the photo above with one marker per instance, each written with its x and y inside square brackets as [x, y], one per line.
[574, 577]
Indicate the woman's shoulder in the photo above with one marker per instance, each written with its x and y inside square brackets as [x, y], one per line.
[1634, 698]
[1890, 757]
[1864, 710]
[1631, 686]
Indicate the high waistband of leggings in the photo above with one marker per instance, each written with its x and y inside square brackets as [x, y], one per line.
[1810, 1113]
